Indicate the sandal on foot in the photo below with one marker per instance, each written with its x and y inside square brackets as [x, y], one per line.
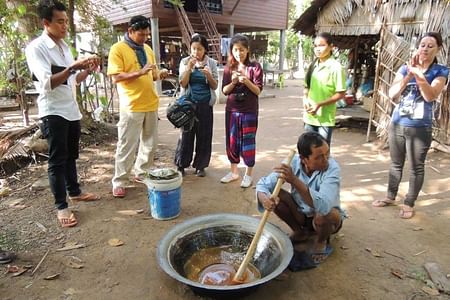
[319, 257]
[383, 202]
[85, 197]
[119, 192]
[406, 212]
[67, 221]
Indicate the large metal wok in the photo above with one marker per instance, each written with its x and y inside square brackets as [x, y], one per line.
[273, 254]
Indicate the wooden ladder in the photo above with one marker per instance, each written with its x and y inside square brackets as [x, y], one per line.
[201, 23]
[185, 25]
[211, 32]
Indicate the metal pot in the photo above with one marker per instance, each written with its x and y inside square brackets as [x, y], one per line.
[273, 254]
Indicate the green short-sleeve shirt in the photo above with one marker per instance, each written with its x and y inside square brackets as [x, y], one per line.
[327, 79]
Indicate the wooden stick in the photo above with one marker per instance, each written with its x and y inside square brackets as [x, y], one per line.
[387, 252]
[39, 264]
[251, 250]
[421, 252]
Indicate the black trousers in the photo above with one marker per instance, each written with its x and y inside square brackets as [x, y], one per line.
[201, 133]
[63, 139]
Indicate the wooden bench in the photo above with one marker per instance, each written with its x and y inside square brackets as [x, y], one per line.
[278, 74]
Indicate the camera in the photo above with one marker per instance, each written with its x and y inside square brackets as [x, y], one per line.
[240, 97]
[406, 110]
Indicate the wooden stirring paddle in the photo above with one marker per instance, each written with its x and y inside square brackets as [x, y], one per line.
[238, 277]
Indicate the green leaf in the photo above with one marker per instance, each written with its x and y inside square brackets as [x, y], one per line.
[21, 9]
[103, 100]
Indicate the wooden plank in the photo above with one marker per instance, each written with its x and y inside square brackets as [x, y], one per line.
[438, 277]
[234, 7]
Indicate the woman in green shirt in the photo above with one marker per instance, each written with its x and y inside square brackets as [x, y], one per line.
[324, 86]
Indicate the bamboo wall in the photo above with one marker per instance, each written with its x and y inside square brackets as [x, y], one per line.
[404, 21]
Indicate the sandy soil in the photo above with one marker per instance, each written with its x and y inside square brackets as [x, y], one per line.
[132, 272]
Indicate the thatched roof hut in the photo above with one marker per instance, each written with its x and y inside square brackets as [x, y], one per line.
[396, 24]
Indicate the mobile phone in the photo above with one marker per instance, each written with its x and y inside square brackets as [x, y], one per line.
[200, 67]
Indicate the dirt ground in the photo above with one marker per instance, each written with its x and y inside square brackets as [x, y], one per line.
[373, 243]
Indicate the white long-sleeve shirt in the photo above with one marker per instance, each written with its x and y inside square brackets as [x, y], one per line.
[42, 54]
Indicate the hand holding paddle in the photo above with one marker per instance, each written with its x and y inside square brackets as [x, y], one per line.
[238, 277]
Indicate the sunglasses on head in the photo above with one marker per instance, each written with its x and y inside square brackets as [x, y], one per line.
[140, 25]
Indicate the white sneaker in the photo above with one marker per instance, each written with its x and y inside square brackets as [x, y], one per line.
[246, 181]
[229, 178]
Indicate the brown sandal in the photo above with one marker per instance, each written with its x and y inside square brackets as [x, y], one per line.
[383, 202]
[406, 212]
[85, 197]
[68, 222]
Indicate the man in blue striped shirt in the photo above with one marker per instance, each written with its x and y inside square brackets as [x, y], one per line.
[312, 206]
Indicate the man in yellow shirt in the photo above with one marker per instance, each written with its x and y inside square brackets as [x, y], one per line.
[132, 65]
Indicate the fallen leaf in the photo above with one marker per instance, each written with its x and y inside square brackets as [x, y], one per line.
[118, 219]
[397, 273]
[69, 291]
[19, 272]
[417, 228]
[115, 242]
[42, 227]
[11, 269]
[13, 202]
[71, 246]
[5, 191]
[372, 219]
[76, 258]
[373, 252]
[344, 247]
[51, 277]
[430, 291]
[130, 212]
[73, 265]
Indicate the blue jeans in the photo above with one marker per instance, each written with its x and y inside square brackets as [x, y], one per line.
[324, 131]
[63, 138]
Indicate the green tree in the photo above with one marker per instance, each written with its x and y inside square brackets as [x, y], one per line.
[19, 24]
[14, 31]
[292, 41]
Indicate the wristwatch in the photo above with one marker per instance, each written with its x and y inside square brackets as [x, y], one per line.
[72, 70]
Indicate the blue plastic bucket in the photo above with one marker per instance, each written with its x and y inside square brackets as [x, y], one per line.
[164, 197]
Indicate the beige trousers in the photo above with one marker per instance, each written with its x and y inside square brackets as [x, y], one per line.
[135, 128]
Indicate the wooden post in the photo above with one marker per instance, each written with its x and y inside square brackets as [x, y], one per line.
[355, 66]
[231, 30]
[376, 84]
[282, 47]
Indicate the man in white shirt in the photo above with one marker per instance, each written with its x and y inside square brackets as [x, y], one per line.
[55, 73]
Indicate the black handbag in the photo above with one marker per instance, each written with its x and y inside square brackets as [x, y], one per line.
[181, 113]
